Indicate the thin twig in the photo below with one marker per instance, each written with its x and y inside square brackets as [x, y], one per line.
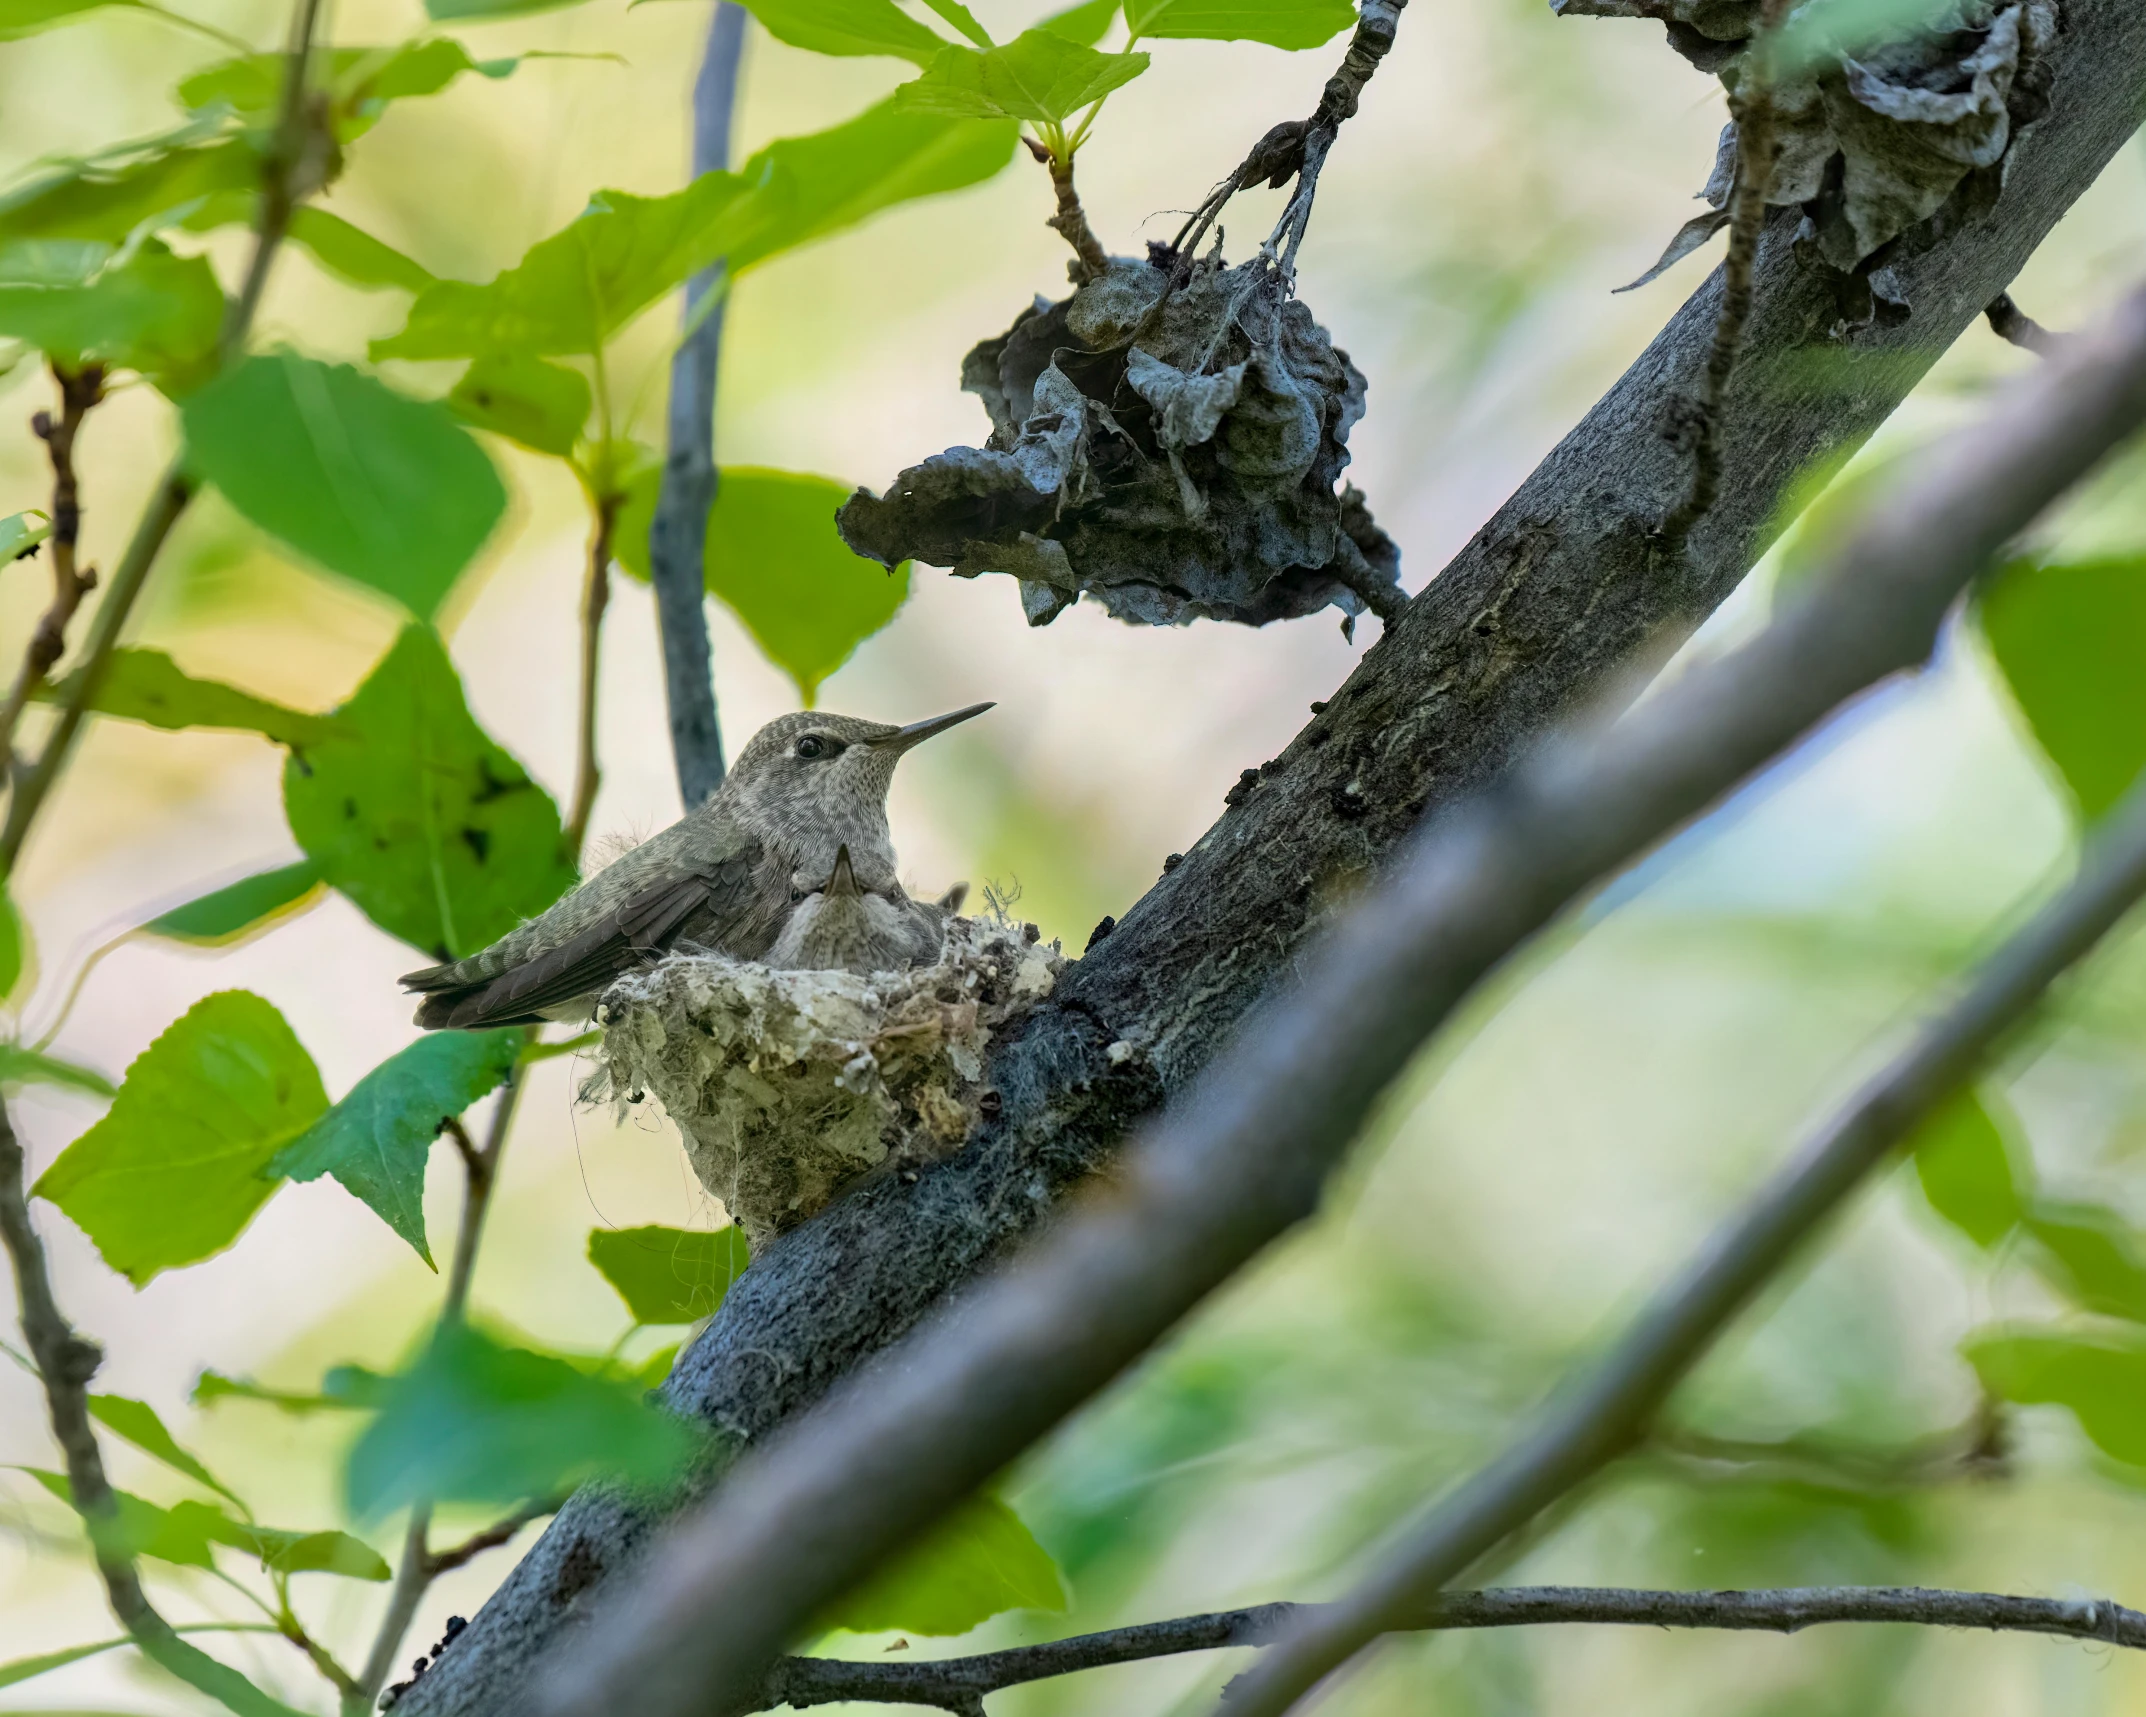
[1244, 1152]
[500, 1532]
[80, 391]
[419, 1565]
[1070, 221]
[678, 538]
[2009, 322]
[595, 597]
[1593, 1421]
[956, 1683]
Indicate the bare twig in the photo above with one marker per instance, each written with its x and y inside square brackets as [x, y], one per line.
[1070, 222]
[957, 1683]
[2009, 322]
[595, 597]
[678, 539]
[79, 392]
[500, 1532]
[1243, 1155]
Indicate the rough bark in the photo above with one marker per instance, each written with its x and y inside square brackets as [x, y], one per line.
[1546, 609]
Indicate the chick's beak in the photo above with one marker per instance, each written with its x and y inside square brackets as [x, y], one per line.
[902, 738]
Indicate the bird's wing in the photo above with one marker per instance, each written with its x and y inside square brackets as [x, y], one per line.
[712, 901]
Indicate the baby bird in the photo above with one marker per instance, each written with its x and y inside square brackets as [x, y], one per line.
[842, 927]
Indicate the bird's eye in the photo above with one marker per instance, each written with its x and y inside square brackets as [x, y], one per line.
[812, 745]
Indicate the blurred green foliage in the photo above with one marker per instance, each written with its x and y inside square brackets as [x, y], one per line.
[669, 1275]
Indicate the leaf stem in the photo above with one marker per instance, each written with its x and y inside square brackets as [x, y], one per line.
[595, 598]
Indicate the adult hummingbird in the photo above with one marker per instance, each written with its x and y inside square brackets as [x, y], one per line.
[843, 926]
[725, 877]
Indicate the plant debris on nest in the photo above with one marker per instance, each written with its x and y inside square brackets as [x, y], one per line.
[1174, 454]
[1874, 142]
[789, 1085]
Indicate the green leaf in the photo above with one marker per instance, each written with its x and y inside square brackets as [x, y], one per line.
[575, 289]
[137, 1422]
[383, 489]
[14, 942]
[19, 18]
[1085, 24]
[775, 558]
[284, 1552]
[1278, 23]
[955, 13]
[435, 833]
[848, 27]
[240, 909]
[525, 399]
[144, 1528]
[354, 254]
[981, 1562]
[2071, 642]
[23, 1668]
[2092, 1254]
[1966, 1170]
[171, 1175]
[110, 196]
[475, 1421]
[149, 687]
[653, 1371]
[156, 313]
[377, 1140]
[20, 1066]
[22, 532]
[1039, 76]
[359, 82]
[669, 1275]
[2100, 1378]
[213, 1386]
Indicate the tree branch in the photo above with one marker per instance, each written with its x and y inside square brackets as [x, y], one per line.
[79, 393]
[2009, 322]
[500, 1532]
[1244, 1154]
[595, 598]
[678, 539]
[958, 1683]
[1541, 614]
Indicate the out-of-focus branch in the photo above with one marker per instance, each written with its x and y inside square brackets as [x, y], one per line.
[678, 540]
[959, 1684]
[1244, 1154]
[80, 390]
[492, 1537]
[2009, 322]
[595, 598]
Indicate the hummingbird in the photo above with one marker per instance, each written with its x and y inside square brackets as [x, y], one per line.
[841, 926]
[726, 878]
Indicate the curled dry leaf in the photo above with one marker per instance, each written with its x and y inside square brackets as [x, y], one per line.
[1174, 454]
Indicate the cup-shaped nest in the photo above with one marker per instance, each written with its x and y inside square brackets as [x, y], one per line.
[1173, 452]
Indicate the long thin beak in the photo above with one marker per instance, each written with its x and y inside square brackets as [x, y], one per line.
[902, 738]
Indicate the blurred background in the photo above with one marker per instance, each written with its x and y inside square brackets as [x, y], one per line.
[1547, 1162]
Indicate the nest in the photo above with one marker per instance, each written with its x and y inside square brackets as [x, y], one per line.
[789, 1085]
[1174, 453]
[1871, 143]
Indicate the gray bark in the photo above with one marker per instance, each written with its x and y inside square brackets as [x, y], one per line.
[1544, 611]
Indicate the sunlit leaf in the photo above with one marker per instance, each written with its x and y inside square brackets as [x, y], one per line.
[282, 1551]
[145, 1529]
[240, 909]
[980, 1562]
[474, 1421]
[109, 197]
[1966, 1170]
[377, 1140]
[148, 686]
[1085, 24]
[386, 490]
[1040, 76]
[138, 1423]
[1278, 23]
[155, 313]
[172, 1173]
[21, 1066]
[22, 532]
[848, 27]
[14, 942]
[963, 20]
[538, 404]
[2101, 1378]
[19, 18]
[775, 558]
[355, 255]
[669, 1275]
[2092, 1254]
[359, 82]
[434, 832]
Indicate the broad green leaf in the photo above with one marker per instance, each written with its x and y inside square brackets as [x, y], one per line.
[848, 27]
[19, 18]
[775, 558]
[377, 1140]
[14, 942]
[955, 13]
[148, 686]
[172, 1173]
[435, 833]
[575, 289]
[475, 1421]
[669, 1275]
[1039, 76]
[359, 82]
[1085, 24]
[22, 532]
[52, 262]
[110, 196]
[1966, 1170]
[24, 1668]
[20, 1066]
[237, 910]
[538, 404]
[281, 1551]
[981, 1562]
[2101, 1378]
[155, 313]
[2092, 1254]
[1278, 23]
[137, 1422]
[2071, 642]
[354, 254]
[386, 490]
[145, 1529]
